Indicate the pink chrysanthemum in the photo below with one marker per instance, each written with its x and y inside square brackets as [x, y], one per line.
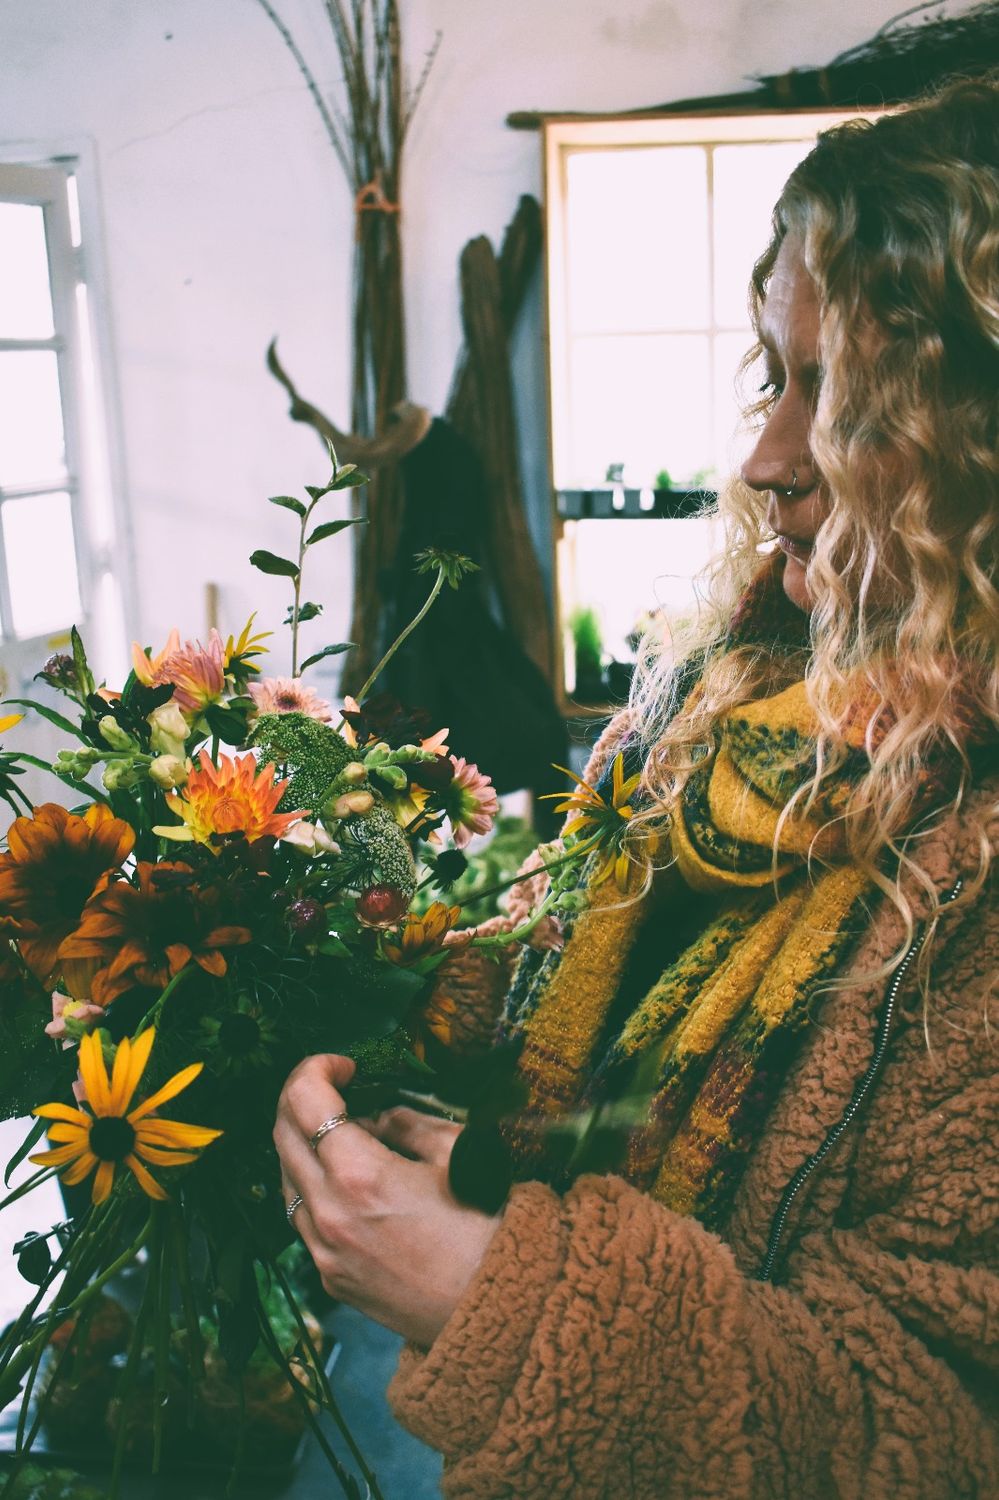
[472, 803]
[288, 695]
[196, 672]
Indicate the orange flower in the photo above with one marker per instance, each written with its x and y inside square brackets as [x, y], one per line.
[56, 862]
[196, 672]
[229, 798]
[144, 935]
[422, 935]
[110, 1133]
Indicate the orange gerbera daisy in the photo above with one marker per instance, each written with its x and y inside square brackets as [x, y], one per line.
[233, 797]
[420, 936]
[56, 862]
[143, 935]
[108, 1134]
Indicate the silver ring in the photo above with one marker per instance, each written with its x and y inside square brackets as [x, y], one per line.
[326, 1127]
[794, 483]
[293, 1207]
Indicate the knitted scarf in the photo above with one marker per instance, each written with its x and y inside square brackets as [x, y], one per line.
[669, 1084]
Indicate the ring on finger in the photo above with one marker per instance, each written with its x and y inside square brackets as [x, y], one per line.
[293, 1207]
[333, 1123]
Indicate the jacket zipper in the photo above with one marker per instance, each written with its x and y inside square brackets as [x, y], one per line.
[860, 1093]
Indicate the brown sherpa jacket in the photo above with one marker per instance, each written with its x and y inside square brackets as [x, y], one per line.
[609, 1348]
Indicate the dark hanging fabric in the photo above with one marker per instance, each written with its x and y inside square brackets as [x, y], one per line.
[460, 664]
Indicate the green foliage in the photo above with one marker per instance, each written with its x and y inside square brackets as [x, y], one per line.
[664, 480]
[336, 650]
[289, 503]
[380, 849]
[588, 641]
[269, 562]
[453, 565]
[497, 863]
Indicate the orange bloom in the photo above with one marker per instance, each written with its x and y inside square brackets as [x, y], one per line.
[229, 798]
[422, 935]
[56, 862]
[196, 672]
[144, 935]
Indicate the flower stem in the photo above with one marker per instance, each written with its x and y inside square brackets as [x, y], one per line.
[438, 585]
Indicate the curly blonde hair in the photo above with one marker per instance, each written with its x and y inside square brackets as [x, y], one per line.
[898, 221]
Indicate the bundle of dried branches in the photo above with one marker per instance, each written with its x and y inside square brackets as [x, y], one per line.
[368, 134]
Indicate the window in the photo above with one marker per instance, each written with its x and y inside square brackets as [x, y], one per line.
[653, 226]
[59, 562]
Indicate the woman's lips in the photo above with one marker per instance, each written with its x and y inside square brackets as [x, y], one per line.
[800, 551]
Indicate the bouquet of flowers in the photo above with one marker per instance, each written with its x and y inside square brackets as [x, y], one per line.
[240, 883]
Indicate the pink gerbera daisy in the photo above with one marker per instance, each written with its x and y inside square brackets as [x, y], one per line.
[472, 803]
[289, 695]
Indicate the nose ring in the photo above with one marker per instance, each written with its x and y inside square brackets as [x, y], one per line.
[794, 483]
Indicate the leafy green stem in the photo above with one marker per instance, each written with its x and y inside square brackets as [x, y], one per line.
[402, 636]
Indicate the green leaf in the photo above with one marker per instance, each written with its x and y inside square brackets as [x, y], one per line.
[326, 651]
[330, 528]
[306, 611]
[268, 562]
[289, 502]
[84, 677]
[228, 723]
[334, 947]
[57, 719]
[347, 480]
[317, 492]
[29, 1143]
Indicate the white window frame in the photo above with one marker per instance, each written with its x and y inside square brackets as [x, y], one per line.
[33, 172]
[561, 138]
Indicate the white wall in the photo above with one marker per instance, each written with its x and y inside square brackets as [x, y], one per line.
[226, 220]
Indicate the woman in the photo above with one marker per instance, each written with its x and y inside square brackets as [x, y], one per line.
[789, 1284]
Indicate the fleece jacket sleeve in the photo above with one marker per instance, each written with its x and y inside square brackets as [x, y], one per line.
[608, 1348]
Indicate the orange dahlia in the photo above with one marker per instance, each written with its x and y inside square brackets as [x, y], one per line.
[109, 1134]
[145, 934]
[229, 798]
[55, 862]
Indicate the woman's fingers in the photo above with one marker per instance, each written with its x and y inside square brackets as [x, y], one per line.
[423, 1137]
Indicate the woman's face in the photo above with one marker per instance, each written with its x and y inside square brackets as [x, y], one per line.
[782, 458]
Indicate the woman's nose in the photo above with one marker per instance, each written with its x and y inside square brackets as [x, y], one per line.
[781, 450]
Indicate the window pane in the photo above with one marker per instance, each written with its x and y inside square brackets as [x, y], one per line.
[637, 235]
[41, 564]
[643, 402]
[747, 183]
[32, 445]
[25, 298]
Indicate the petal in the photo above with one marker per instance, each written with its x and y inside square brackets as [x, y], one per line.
[132, 1070]
[80, 1169]
[174, 1133]
[147, 1183]
[63, 1112]
[104, 1181]
[59, 1156]
[161, 1158]
[95, 1075]
[212, 963]
[172, 1087]
[78, 1134]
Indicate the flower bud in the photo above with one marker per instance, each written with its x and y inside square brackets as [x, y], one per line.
[311, 839]
[353, 773]
[168, 771]
[169, 730]
[353, 802]
[119, 774]
[112, 734]
[382, 906]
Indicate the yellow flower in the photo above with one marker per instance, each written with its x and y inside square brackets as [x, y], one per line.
[8, 722]
[422, 935]
[606, 823]
[248, 645]
[109, 1134]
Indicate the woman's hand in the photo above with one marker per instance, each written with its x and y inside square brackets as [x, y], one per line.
[382, 1227]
